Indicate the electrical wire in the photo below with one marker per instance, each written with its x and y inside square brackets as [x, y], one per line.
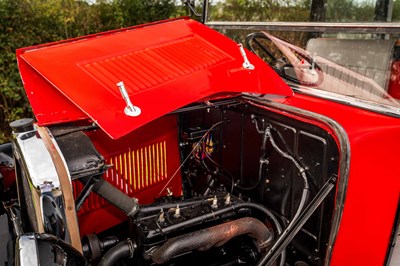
[263, 162]
[287, 156]
[303, 199]
[221, 170]
[187, 157]
[288, 151]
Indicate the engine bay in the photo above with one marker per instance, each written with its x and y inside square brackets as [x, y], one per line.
[226, 182]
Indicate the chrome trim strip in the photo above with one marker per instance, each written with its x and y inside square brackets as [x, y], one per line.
[344, 164]
[41, 177]
[37, 160]
[325, 27]
[26, 250]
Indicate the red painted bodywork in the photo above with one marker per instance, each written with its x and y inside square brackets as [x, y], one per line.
[8, 173]
[63, 86]
[394, 83]
[373, 186]
[77, 79]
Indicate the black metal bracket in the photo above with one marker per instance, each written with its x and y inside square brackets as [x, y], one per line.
[192, 9]
[290, 232]
[87, 189]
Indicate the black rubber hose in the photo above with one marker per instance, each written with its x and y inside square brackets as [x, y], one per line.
[123, 249]
[6, 148]
[115, 196]
[264, 260]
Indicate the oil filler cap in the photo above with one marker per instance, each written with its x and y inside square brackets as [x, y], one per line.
[22, 125]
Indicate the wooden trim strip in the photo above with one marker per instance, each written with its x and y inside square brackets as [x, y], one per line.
[65, 186]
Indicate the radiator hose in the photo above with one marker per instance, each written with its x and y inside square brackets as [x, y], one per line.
[124, 249]
[113, 195]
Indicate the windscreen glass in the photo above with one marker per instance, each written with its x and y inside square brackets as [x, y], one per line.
[346, 50]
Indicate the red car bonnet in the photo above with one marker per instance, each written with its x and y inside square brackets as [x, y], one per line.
[164, 66]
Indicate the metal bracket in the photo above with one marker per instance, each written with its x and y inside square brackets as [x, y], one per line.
[130, 109]
[295, 226]
[246, 63]
[190, 4]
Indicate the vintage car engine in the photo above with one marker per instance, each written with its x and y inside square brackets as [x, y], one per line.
[172, 229]
[211, 186]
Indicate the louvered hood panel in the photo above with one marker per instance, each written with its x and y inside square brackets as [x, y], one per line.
[164, 66]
